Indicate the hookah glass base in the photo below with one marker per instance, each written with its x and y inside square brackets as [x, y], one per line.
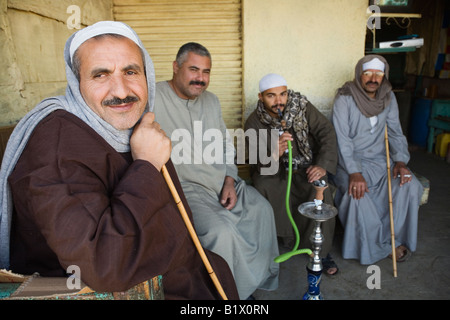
[314, 279]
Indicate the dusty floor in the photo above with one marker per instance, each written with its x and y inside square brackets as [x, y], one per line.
[425, 276]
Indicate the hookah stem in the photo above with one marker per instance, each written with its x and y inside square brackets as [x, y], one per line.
[288, 191]
[285, 256]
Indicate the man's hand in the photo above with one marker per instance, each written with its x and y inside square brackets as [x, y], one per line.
[149, 142]
[315, 173]
[283, 143]
[357, 185]
[228, 197]
[402, 171]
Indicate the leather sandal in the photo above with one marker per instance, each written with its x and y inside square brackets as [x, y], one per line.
[405, 253]
[328, 263]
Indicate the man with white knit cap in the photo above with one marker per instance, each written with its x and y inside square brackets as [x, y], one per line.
[81, 183]
[314, 154]
[362, 109]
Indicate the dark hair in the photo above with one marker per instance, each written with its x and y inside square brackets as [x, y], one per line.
[191, 47]
[76, 62]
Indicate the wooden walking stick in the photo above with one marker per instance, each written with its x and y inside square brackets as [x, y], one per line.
[391, 214]
[192, 232]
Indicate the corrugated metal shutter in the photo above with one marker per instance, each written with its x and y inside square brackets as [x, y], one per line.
[164, 26]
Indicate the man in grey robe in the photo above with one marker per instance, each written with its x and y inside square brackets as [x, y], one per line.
[231, 218]
[362, 109]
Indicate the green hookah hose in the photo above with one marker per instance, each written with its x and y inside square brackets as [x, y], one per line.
[285, 256]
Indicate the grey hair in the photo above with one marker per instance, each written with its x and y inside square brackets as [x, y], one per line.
[191, 47]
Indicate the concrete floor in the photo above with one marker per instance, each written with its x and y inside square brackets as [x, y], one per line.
[425, 276]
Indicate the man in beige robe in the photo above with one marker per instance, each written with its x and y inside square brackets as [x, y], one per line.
[232, 219]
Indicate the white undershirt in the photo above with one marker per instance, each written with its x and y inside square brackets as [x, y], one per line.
[373, 122]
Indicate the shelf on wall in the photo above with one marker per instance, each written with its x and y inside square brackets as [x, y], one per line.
[391, 50]
[406, 20]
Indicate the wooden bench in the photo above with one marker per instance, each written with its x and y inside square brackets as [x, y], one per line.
[15, 286]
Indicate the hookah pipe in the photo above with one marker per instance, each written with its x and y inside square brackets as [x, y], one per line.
[317, 211]
[285, 256]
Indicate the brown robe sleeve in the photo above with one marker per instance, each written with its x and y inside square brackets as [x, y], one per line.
[79, 202]
[324, 139]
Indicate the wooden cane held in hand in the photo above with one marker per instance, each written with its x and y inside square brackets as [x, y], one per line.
[192, 232]
[391, 214]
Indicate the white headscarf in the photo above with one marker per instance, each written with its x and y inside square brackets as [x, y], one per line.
[374, 64]
[99, 28]
[74, 103]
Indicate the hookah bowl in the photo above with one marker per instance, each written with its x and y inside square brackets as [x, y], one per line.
[319, 212]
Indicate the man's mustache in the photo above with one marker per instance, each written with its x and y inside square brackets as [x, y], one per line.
[372, 82]
[197, 83]
[117, 101]
[279, 105]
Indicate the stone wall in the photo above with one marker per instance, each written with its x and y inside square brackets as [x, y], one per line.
[32, 36]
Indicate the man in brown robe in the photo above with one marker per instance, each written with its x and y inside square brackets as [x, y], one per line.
[85, 186]
[314, 153]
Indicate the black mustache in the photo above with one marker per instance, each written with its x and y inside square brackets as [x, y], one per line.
[279, 105]
[372, 82]
[201, 83]
[117, 101]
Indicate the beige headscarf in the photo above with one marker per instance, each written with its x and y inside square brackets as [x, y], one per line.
[369, 106]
